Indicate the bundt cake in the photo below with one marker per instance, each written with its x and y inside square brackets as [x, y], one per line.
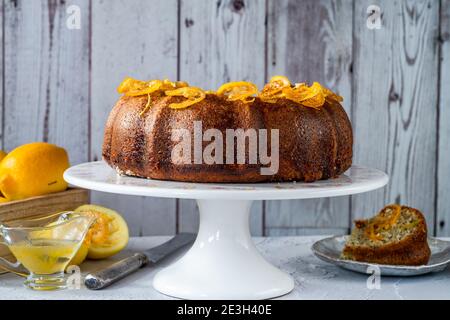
[144, 130]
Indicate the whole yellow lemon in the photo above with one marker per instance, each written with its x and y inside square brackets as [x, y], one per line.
[33, 169]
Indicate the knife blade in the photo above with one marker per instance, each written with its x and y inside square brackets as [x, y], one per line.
[105, 277]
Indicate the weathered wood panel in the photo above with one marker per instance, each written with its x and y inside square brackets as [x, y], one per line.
[311, 41]
[395, 99]
[219, 42]
[139, 39]
[443, 183]
[46, 76]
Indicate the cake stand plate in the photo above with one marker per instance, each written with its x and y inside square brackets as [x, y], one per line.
[223, 262]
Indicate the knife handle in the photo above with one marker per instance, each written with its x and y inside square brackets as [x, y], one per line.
[105, 277]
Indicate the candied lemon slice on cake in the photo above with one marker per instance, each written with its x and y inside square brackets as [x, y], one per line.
[240, 90]
[132, 87]
[312, 96]
[330, 95]
[281, 81]
[192, 94]
[170, 85]
[108, 234]
[274, 89]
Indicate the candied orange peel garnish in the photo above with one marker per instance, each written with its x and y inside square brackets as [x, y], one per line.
[274, 89]
[282, 81]
[372, 234]
[313, 96]
[132, 87]
[170, 85]
[383, 221]
[147, 106]
[192, 94]
[330, 95]
[240, 90]
[388, 220]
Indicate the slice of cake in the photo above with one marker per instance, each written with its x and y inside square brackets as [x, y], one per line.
[396, 236]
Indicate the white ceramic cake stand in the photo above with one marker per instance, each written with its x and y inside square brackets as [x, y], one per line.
[223, 263]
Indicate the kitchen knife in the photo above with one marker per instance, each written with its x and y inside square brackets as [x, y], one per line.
[105, 277]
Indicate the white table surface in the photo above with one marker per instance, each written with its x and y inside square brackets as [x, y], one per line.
[314, 279]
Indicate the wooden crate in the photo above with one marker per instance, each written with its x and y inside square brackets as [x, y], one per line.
[40, 206]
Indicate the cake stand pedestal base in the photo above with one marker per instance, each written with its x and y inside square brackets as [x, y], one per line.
[223, 263]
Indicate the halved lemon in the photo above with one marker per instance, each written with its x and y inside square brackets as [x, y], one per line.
[109, 233]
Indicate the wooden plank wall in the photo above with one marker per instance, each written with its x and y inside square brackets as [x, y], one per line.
[140, 39]
[46, 76]
[58, 85]
[326, 57]
[443, 154]
[394, 109]
[221, 41]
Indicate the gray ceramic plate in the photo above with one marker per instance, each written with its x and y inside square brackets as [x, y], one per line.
[330, 249]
